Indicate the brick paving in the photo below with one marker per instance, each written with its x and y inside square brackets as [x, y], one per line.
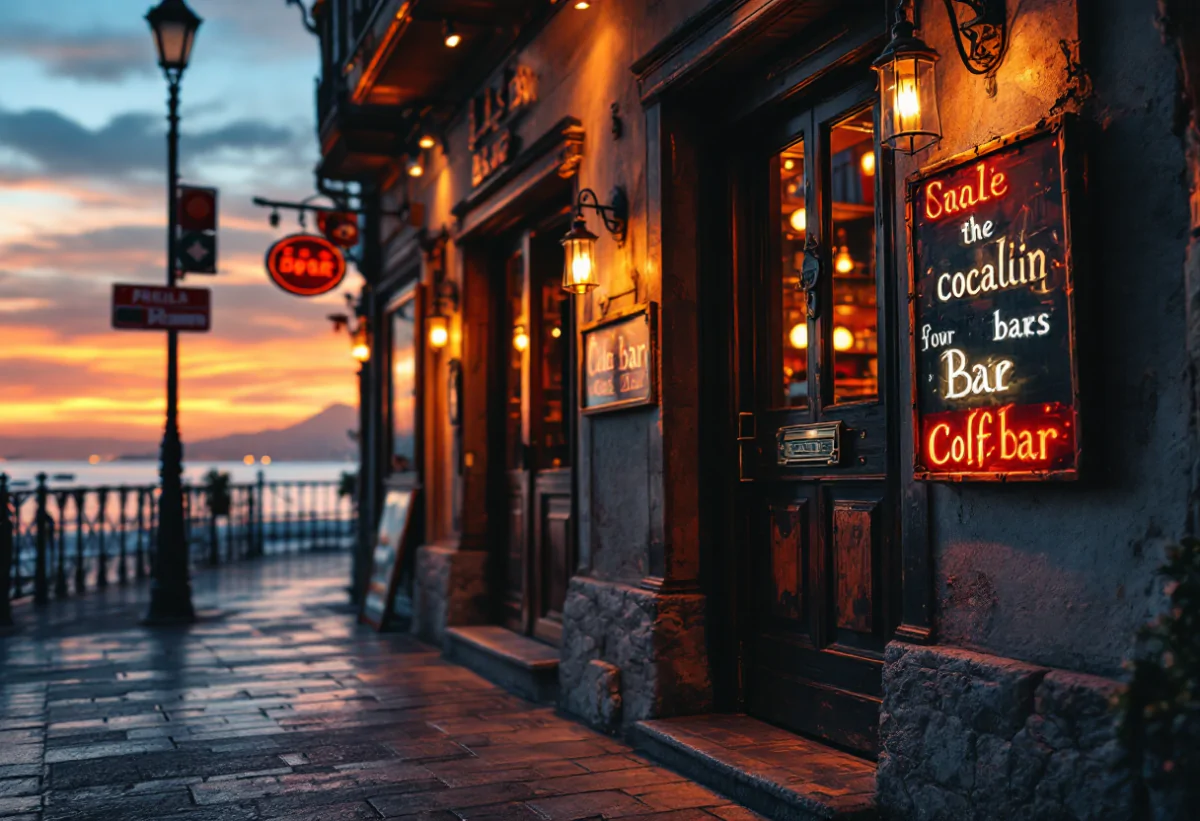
[276, 705]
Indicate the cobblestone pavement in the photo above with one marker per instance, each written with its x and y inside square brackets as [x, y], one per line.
[277, 705]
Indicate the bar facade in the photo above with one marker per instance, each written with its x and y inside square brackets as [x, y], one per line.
[871, 453]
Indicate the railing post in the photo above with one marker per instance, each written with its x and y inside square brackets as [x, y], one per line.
[214, 548]
[122, 570]
[41, 579]
[260, 509]
[139, 553]
[80, 574]
[101, 556]
[6, 553]
[287, 524]
[60, 554]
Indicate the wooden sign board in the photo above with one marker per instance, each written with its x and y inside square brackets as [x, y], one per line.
[620, 360]
[394, 526]
[992, 313]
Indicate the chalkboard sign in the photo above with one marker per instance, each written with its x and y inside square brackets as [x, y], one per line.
[388, 557]
[993, 325]
[620, 360]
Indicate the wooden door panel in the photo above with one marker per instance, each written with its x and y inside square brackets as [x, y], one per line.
[555, 556]
[788, 540]
[855, 538]
[515, 572]
[843, 717]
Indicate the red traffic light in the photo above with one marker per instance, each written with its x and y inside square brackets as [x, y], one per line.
[197, 208]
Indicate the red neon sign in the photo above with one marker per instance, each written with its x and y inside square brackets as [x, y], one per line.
[941, 201]
[1003, 439]
[305, 265]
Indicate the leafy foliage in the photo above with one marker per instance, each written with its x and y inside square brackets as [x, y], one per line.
[1160, 710]
[348, 485]
[219, 496]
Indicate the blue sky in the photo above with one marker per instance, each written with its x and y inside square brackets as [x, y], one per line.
[82, 205]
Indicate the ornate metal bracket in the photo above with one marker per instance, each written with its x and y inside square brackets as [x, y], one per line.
[605, 302]
[305, 15]
[980, 33]
[615, 216]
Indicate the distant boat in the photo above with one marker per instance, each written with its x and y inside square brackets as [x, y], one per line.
[63, 477]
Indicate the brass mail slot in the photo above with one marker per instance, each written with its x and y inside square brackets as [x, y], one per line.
[816, 444]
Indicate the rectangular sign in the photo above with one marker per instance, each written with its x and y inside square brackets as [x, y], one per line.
[993, 326]
[388, 557]
[157, 308]
[619, 360]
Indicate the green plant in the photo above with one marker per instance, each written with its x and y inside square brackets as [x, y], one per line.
[1160, 709]
[220, 500]
[348, 485]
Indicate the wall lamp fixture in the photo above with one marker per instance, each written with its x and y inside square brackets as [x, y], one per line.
[357, 328]
[907, 81]
[579, 245]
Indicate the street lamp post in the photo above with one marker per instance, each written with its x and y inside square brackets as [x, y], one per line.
[174, 26]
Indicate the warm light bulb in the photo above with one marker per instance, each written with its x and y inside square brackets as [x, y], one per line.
[266, 460]
[799, 220]
[439, 335]
[556, 332]
[361, 351]
[453, 39]
[843, 338]
[908, 104]
[520, 338]
[582, 4]
[798, 336]
[581, 268]
[844, 263]
[426, 142]
[788, 165]
[415, 169]
[867, 163]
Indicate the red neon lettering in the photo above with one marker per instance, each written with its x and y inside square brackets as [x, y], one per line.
[1010, 438]
[941, 201]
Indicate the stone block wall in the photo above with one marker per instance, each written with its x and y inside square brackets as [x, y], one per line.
[653, 646]
[449, 589]
[966, 736]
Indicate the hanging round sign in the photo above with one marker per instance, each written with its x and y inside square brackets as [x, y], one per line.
[339, 227]
[305, 264]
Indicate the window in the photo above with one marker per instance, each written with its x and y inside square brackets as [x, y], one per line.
[403, 370]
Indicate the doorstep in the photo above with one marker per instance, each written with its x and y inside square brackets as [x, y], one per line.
[767, 769]
[517, 663]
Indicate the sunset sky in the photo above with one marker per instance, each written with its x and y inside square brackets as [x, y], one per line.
[82, 205]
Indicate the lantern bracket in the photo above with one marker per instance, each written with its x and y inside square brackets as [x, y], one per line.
[980, 34]
[615, 215]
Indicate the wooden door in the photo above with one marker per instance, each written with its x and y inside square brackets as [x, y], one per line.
[817, 432]
[538, 335]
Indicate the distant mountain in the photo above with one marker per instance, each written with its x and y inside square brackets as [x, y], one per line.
[318, 438]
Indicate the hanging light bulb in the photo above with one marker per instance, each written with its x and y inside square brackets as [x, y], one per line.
[450, 36]
[867, 163]
[789, 164]
[520, 338]
[556, 332]
[798, 336]
[843, 263]
[582, 4]
[843, 338]
[426, 142]
[360, 344]
[415, 168]
[799, 220]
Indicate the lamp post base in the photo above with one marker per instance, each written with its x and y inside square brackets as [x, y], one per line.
[169, 605]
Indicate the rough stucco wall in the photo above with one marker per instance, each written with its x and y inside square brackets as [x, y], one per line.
[1062, 575]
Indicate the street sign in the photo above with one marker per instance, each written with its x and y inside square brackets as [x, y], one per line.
[197, 252]
[339, 227]
[197, 208]
[155, 308]
[305, 264]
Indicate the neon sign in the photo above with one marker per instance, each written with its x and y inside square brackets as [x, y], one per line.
[993, 344]
[305, 264]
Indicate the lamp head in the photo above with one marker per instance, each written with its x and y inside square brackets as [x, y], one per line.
[174, 27]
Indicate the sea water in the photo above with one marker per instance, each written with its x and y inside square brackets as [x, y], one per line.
[143, 472]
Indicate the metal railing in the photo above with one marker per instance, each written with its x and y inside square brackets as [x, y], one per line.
[64, 541]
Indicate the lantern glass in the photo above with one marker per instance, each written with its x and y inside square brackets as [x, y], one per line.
[439, 331]
[908, 98]
[174, 26]
[579, 263]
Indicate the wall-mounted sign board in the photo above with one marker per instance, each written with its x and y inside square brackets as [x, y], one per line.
[620, 360]
[992, 313]
[388, 557]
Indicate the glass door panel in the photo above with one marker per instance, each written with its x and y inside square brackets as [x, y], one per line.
[794, 318]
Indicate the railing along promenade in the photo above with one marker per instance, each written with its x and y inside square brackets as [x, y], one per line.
[63, 541]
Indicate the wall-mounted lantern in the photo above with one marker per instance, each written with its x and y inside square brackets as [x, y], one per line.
[907, 79]
[356, 325]
[439, 330]
[360, 343]
[520, 338]
[579, 245]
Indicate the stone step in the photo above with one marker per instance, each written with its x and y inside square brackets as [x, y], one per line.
[517, 663]
[772, 771]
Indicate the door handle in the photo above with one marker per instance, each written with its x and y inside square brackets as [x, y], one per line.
[810, 275]
[747, 452]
